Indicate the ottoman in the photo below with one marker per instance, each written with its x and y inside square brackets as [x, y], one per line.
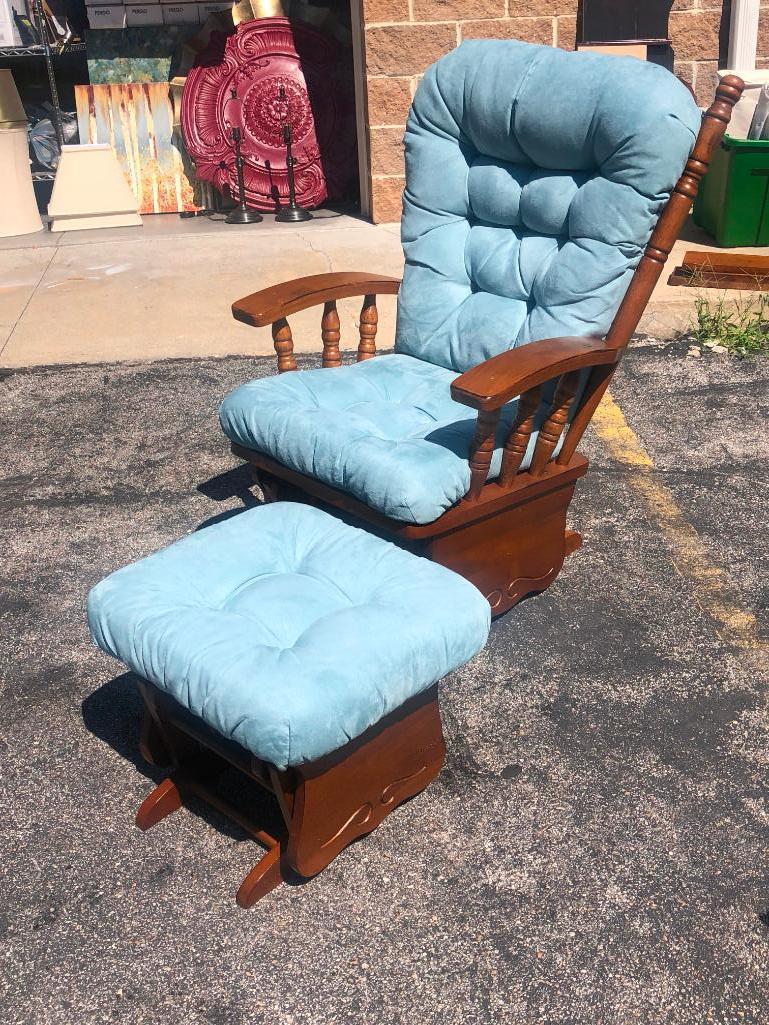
[301, 650]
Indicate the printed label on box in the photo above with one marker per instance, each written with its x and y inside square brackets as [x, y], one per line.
[143, 14]
[112, 16]
[205, 9]
[180, 14]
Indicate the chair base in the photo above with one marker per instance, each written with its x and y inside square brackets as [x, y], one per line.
[510, 542]
[514, 552]
[324, 805]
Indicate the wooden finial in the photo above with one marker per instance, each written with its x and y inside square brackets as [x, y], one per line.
[728, 92]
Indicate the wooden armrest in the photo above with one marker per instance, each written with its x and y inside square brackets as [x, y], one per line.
[279, 301]
[493, 383]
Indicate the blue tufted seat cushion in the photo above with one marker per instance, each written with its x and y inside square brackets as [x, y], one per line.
[534, 178]
[385, 431]
[286, 630]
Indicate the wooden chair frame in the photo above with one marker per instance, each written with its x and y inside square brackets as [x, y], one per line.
[508, 536]
[324, 805]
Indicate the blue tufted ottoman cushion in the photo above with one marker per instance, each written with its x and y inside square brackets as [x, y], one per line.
[534, 178]
[286, 630]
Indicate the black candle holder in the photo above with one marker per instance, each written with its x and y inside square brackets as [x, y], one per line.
[292, 213]
[242, 214]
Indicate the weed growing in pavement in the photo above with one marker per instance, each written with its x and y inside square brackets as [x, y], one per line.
[737, 325]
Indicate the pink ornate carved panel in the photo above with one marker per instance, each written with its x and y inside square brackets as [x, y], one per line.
[282, 71]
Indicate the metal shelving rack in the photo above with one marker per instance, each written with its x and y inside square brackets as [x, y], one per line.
[39, 50]
[49, 53]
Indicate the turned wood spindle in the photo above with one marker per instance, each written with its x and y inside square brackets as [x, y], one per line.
[284, 345]
[595, 389]
[369, 319]
[481, 450]
[518, 438]
[552, 429]
[330, 335]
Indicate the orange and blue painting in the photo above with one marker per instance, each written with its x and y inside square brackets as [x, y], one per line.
[137, 119]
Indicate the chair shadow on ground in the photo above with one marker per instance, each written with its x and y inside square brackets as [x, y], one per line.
[113, 714]
[234, 483]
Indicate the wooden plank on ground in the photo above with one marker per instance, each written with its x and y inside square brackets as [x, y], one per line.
[741, 271]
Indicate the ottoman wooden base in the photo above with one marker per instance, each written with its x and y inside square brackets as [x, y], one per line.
[324, 805]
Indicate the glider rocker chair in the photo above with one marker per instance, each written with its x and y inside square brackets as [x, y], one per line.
[544, 191]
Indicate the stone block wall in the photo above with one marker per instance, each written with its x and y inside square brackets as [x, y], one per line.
[403, 37]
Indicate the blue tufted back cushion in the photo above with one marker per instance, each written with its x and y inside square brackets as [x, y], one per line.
[534, 178]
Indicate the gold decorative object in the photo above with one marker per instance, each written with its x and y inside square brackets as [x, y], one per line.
[249, 10]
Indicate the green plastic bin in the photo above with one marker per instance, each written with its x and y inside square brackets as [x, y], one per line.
[732, 204]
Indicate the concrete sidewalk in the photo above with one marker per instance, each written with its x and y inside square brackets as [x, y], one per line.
[165, 290]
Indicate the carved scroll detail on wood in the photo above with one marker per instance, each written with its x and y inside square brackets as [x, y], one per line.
[481, 450]
[390, 791]
[552, 429]
[369, 319]
[330, 335]
[517, 589]
[284, 345]
[518, 438]
[359, 817]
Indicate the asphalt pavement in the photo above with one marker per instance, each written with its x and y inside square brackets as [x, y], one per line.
[595, 850]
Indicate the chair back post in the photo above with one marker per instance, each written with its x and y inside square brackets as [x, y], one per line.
[715, 121]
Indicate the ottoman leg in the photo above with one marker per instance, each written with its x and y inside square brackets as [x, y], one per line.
[263, 877]
[162, 802]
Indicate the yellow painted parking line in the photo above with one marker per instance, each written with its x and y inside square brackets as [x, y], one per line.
[714, 588]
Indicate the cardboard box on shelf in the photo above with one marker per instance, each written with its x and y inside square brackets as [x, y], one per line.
[180, 14]
[205, 9]
[110, 16]
[143, 14]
